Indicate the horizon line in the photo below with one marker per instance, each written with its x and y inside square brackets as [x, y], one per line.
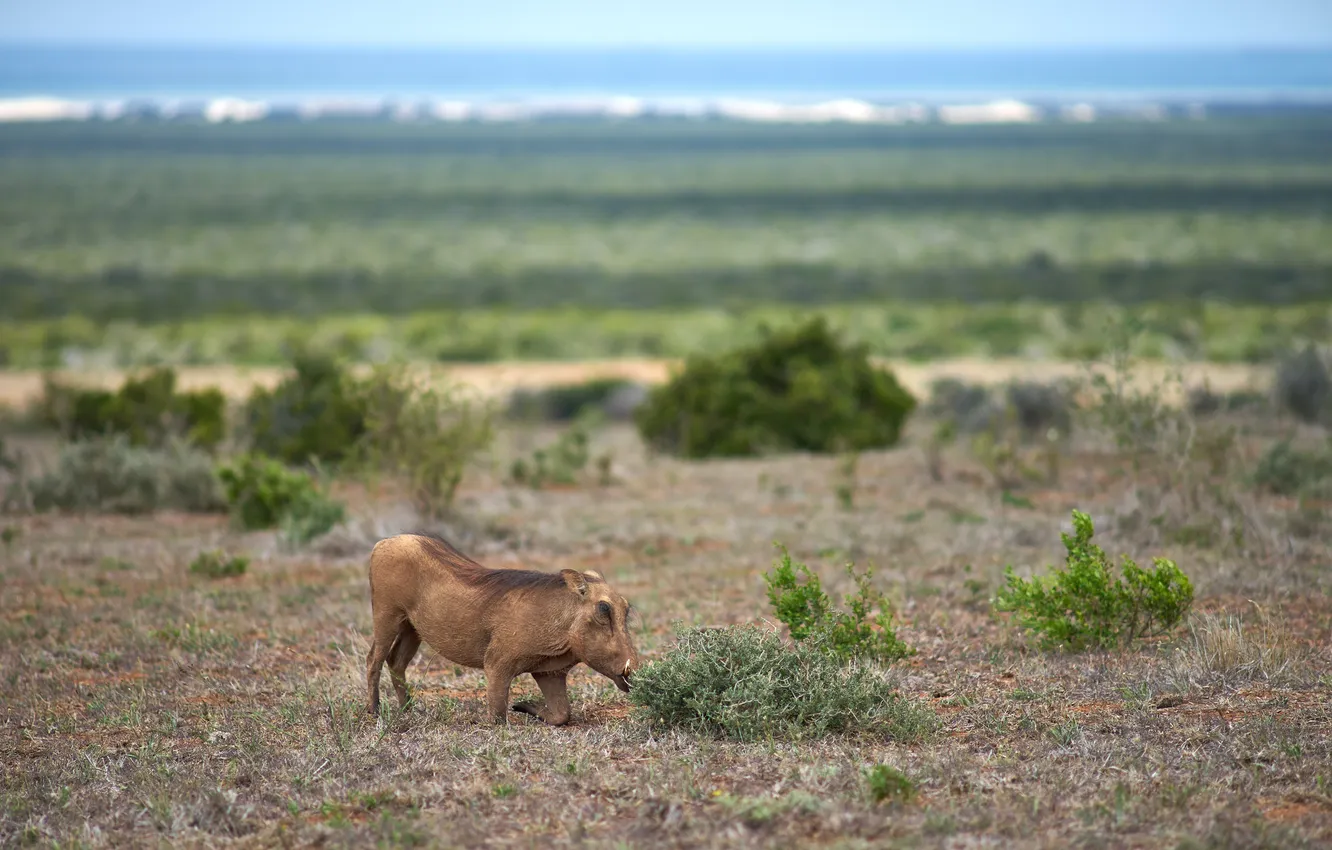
[476, 47]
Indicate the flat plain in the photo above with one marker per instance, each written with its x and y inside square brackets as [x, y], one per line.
[145, 706]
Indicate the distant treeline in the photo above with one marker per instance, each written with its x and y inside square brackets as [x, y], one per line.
[163, 222]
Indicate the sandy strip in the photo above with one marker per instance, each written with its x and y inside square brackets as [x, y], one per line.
[19, 387]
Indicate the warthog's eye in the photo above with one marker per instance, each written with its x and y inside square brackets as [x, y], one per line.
[604, 610]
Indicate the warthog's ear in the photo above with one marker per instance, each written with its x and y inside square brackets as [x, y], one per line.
[577, 583]
[593, 574]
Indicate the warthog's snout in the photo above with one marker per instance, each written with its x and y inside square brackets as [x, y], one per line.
[622, 681]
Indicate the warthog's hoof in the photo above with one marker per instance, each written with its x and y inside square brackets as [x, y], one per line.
[541, 713]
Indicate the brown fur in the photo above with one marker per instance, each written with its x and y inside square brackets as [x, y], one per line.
[506, 622]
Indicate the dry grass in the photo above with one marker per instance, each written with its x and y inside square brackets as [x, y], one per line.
[1224, 649]
[145, 706]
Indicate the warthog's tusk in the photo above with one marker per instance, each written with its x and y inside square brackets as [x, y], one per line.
[626, 667]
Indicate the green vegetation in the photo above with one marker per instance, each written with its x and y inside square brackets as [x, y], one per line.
[215, 563]
[798, 389]
[314, 414]
[112, 476]
[263, 493]
[1085, 606]
[744, 683]
[424, 241]
[564, 402]
[558, 463]
[911, 330]
[148, 410]
[424, 436]
[1304, 385]
[1288, 471]
[808, 613]
[889, 784]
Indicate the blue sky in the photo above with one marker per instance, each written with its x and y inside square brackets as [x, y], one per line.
[678, 23]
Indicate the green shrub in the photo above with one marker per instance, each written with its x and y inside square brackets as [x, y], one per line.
[798, 389]
[308, 518]
[1084, 606]
[147, 410]
[263, 493]
[217, 564]
[889, 783]
[559, 463]
[1304, 385]
[316, 413]
[744, 683]
[1288, 471]
[565, 402]
[808, 612]
[112, 476]
[425, 436]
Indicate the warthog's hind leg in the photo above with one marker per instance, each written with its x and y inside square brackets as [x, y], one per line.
[381, 644]
[401, 655]
[555, 688]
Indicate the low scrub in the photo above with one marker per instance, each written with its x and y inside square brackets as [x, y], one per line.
[562, 462]
[262, 493]
[1304, 385]
[314, 414]
[1224, 649]
[383, 424]
[1288, 471]
[614, 398]
[112, 476]
[218, 564]
[1085, 606]
[799, 601]
[147, 411]
[888, 784]
[745, 683]
[424, 437]
[798, 389]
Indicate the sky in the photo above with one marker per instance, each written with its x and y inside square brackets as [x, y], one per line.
[675, 23]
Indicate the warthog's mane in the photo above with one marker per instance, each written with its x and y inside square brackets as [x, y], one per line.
[491, 582]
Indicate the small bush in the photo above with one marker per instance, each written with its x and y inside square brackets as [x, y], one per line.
[217, 564]
[1084, 606]
[559, 463]
[1304, 385]
[798, 389]
[111, 476]
[808, 613]
[1202, 401]
[1287, 471]
[889, 784]
[1040, 408]
[263, 493]
[317, 413]
[969, 407]
[147, 410]
[425, 436]
[613, 397]
[744, 683]
[309, 518]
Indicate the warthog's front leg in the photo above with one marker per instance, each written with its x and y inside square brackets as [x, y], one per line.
[498, 680]
[555, 688]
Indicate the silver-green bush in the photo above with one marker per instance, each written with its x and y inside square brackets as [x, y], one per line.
[745, 683]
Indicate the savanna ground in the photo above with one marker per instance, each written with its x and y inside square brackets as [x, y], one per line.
[145, 706]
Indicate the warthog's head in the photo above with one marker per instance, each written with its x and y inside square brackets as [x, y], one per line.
[600, 637]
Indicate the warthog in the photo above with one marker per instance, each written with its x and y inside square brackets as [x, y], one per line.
[506, 622]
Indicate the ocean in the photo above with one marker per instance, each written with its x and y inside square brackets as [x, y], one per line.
[276, 74]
